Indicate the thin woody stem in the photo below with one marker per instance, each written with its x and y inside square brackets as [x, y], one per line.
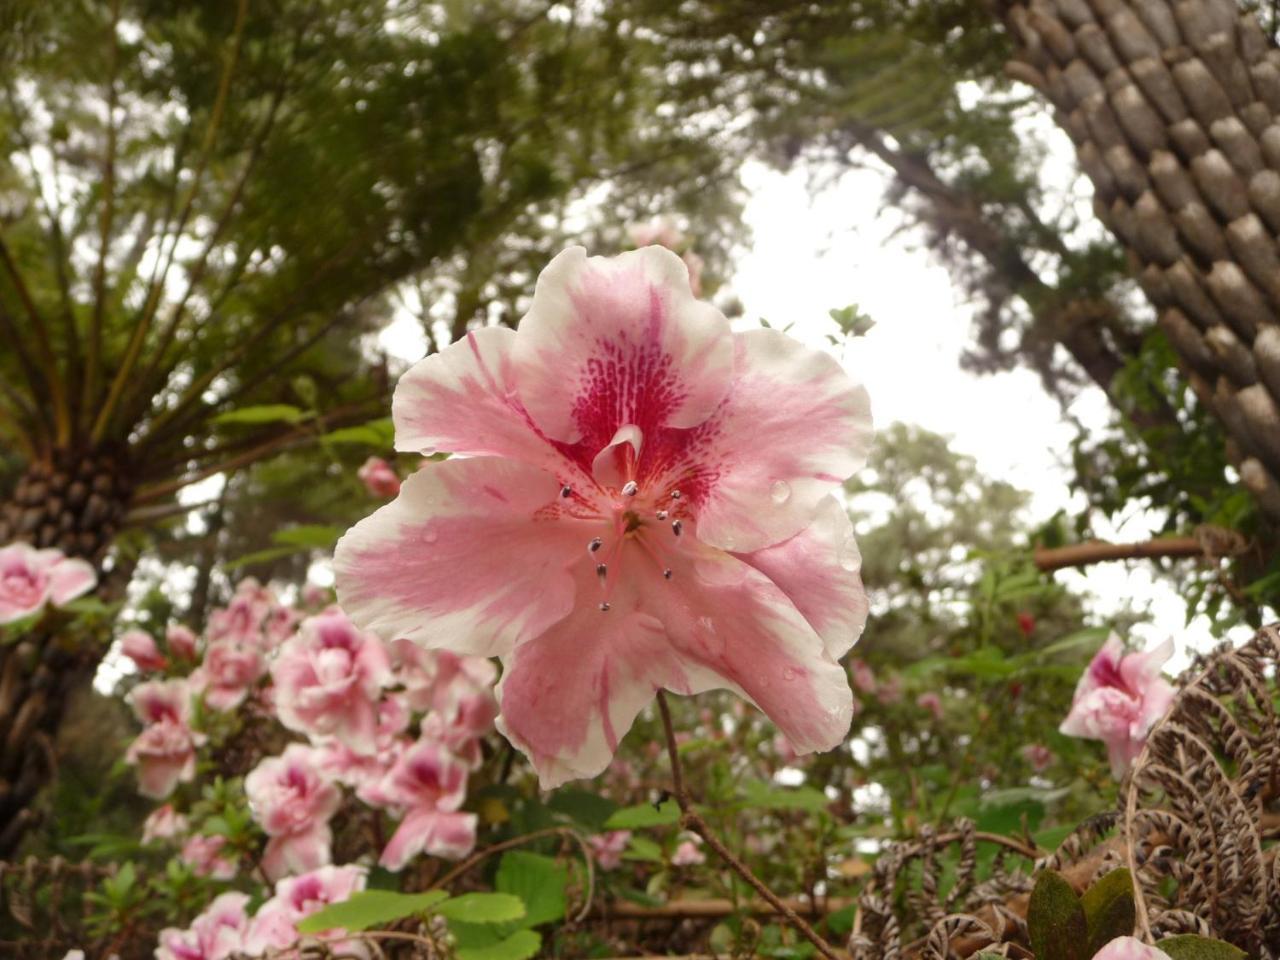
[691, 820]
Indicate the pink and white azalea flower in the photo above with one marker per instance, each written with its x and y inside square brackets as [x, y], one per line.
[165, 751]
[1038, 755]
[275, 927]
[163, 823]
[1119, 699]
[429, 784]
[293, 804]
[1129, 948]
[216, 934]
[203, 854]
[140, 647]
[31, 578]
[931, 702]
[379, 478]
[231, 668]
[640, 499]
[608, 848]
[182, 642]
[328, 678]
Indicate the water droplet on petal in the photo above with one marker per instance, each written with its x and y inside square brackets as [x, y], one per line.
[780, 492]
[430, 534]
[848, 556]
[791, 673]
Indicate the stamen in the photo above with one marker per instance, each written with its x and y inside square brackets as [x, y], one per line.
[666, 574]
[630, 488]
[602, 571]
[566, 491]
[675, 494]
[662, 514]
[676, 527]
[604, 607]
[595, 544]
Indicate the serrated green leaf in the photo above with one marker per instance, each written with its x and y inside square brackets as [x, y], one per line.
[1188, 946]
[1109, 909]
[482, 908]
[369, 908]
[644, 815]
[1056, 920]
[265, 413]
[521, 945]
[539, 882]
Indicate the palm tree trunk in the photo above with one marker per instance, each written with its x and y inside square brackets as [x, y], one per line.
[76, 504]
[1174, 109]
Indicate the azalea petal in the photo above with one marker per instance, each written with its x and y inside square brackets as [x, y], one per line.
[735, 623]
[472, 555]
[569, 696]
[297, 852]
[449, 835]
[463, 400]
[819, 569]
[793, 427]
[71, 578]
[612, 341]
[1139, 670]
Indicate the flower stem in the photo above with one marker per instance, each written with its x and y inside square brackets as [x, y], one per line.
[691, 820]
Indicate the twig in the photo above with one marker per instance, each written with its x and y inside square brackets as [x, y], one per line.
[1100, 551]
[691, 820]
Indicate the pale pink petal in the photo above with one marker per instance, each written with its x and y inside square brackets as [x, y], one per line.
[475, 375]
[793, 427]
[1129, 948]
[71, 578]
[613, 341]
[472, 554]
[1141, 668]
[424, 830]
[819, 569]
[297, 852]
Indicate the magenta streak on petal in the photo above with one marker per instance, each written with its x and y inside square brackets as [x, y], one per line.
[495, 493]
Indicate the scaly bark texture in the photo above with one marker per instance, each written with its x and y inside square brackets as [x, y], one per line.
[76, 504]
[1174, 108]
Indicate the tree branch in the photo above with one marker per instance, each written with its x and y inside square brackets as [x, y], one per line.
[691, 820]
[1100, 551]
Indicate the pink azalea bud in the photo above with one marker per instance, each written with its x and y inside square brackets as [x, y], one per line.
[163, 823]
[1119, 699]
[140, 647]
[379, 478]
[1038, 755]
[182, 643]
[609, 847]
[31, 578]
[687, 853]
[204, 856]
[932, 702]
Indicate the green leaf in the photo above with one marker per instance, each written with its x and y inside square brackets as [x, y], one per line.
[584, 807]
[644, 815]
[369, 908]
[767, 796]
[1188, 946]
[266, 413]
[642, 848]
[1056, 920]
[519, 946]
[315, 535]
[538, 881]
[482, 908]
[261, 556]
[375, 433]
[1109, 909]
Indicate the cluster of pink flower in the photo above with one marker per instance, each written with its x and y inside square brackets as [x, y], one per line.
[397, 725]
[225, 927]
